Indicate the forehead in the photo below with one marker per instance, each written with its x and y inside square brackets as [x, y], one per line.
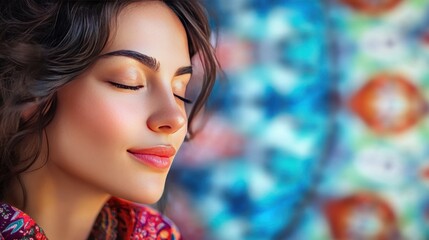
[151, 28]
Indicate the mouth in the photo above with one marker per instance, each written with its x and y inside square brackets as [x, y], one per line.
[157, 157]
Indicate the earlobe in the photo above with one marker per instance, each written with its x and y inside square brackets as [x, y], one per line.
[39, 106]
[28, 110]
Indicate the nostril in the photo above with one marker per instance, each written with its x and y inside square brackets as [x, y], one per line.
[165, 127]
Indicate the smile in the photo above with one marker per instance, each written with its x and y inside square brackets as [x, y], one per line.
[156, 157]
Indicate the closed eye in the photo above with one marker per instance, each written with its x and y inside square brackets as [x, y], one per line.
[127, 87]
[135, 88]
[183, 99]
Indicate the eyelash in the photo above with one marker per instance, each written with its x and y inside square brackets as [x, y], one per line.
[135, 88]
[127, 87]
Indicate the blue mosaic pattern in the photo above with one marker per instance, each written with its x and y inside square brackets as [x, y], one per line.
[283, 142]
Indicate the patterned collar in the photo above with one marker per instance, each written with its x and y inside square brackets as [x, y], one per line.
[118, 219]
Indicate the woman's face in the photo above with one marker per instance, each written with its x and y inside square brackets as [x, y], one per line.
[118, 125]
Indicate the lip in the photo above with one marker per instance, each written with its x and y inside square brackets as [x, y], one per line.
[155, 157]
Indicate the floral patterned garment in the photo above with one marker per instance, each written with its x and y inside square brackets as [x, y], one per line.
[117, 220]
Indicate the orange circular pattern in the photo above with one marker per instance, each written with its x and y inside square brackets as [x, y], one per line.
[372, 7]
[389, 103]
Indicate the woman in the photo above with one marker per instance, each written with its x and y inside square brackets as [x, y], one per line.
[93, 97]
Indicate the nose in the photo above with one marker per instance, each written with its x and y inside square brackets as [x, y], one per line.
[167, 118]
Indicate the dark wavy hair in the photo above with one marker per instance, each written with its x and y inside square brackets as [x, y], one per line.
[45, 44]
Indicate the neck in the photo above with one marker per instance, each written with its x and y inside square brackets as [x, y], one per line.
[62, 205]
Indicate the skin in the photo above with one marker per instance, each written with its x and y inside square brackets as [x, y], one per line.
[97, 122]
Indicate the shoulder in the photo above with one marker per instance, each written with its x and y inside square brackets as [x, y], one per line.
[128, 220]
[15, 224]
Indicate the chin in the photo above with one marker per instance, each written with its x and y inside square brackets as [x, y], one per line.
[148, 196]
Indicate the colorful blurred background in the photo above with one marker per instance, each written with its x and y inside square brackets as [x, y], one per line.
[319, 129]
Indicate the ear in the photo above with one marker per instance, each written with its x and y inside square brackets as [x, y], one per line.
[28, 110]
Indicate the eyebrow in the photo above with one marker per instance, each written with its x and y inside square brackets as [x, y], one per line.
[183, 70]
[148, 61]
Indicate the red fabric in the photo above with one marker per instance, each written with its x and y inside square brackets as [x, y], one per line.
[118, 219]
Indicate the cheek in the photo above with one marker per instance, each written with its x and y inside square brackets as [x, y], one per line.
[103, 120]
[95, 117]
[89, 125]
